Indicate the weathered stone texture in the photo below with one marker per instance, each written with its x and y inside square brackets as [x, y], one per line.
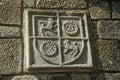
[28, 3]
[58, 77]
[112, 76]
[105, 76]
[109, 55]
[100, 10]
[96, 76]
[116, 10]
[10, 56]
[10, 11]
[62, 4]
[43, 77]
[106, 50]
[108, 29]
[9, 31]
[80, 77]
[25, 77]
[92, 76]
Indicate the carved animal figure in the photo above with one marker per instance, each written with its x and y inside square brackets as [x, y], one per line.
[48, 26]
[73, 47]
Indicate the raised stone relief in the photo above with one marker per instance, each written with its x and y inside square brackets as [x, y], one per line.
[49, 48]
[56, 39]
[47, 28]
[70, 27]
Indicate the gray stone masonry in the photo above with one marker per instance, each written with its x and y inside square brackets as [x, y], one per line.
[10, 56]
[74, 76]
[109, 55]
[9, 31]
[10, 12]
[23, 24]
[100, 10]
[116, 10]
[108, 29]
[28, 3]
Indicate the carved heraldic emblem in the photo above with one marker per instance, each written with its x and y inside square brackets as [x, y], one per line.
[57, 40]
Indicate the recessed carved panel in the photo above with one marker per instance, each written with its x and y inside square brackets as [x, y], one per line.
[56, 40]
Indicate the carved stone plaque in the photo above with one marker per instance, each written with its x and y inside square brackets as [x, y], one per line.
[56, 40]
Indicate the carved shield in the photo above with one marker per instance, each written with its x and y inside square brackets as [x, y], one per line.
[61, 39]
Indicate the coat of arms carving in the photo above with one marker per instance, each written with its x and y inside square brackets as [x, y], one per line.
[57, 40]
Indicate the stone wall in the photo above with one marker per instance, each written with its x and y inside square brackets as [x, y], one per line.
[104, 38]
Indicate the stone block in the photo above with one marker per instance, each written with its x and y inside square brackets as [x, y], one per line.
[10, 56]
[28, 3]
[109, 55]
[62, 4]
[116, 10]
[112, 76]
[100, 10]
[108, 29]
[105, 76]
[80, 77]
[26, 77]
[58, 77]
[10, 12]
[9, 31]
[75, 76]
